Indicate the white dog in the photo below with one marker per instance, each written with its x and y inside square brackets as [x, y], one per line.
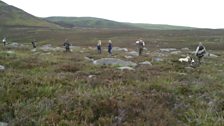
[187, 59]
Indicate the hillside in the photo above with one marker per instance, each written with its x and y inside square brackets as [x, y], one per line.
[160, 26]
[91, 22]
[12, 16]
[88, 22]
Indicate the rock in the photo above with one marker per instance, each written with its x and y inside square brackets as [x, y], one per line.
[89, 59]
[167, 49]
[33, 50]
[14, 45]
[10, 52]
[189, 68]
[212, 55]
[3, 124]
[128, 57]
[157, 59]
[175, 52]
[46, 48]
[146, 63]
[133, 53]
[91, 76]
[185, 49]
[126, 68]
[2, 68]
[120, 49]
[113, 61]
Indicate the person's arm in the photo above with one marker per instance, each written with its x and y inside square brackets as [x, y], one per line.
[197, 49]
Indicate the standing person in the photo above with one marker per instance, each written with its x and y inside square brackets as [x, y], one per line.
[34, 43]
[110, 47]
[141, 44]
[4, 41]
[67, 45]
[200, 52]
[99, 46]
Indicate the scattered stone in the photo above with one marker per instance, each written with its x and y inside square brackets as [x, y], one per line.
[167, 49]
[175, 52]
[89, 59]
[185, 49]
[10, 52]
[126, 68]
[33, 50]
[3, 124]
[146, 63]
[189, 68]
[212, 55]
[157, 59]
[14, 45]
[2, 68]
[120, 49]
[113, 61]
[128, 57]
[91, 76]
[133, 53]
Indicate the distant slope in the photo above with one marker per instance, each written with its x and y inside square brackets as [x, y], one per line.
[88, 22]
[160, 26]
[12, 16]
[91, 22]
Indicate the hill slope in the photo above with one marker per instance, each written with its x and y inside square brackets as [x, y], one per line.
[12, 16]
[160, 26]
[88, 22]
[91, 22]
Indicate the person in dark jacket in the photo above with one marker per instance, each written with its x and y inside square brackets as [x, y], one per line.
[110, 47]
[200, 51]
[67, 45]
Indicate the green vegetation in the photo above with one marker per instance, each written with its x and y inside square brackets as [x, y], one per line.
[55, 89]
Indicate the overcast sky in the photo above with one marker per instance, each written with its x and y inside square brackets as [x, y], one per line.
[195, 13]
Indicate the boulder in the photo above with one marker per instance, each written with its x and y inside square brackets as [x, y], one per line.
[175, 52]
[133, 53]
[146, 63]
[113, 61]
[3, 124]
[126, 68]
[157, 59]
[120, 49]
[128, 57]
[2, 68]
[168, 49]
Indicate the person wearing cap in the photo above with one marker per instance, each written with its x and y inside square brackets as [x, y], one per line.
[141, 44]
[98, 46]
[110, 47]
[200, 52]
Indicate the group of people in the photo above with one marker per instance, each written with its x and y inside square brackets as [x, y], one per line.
[200, 50]
[99, 48]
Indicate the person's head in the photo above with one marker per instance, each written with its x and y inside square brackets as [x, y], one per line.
[110, 41]
[99, 41]
[200, 43]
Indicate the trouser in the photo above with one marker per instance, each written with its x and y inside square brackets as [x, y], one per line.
[109, 51]
[140, 51]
